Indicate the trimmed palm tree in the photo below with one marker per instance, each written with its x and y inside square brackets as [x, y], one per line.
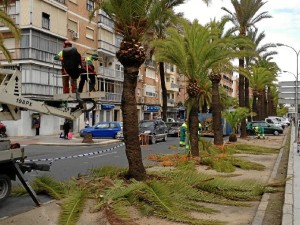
[244, 17]
[133, 19]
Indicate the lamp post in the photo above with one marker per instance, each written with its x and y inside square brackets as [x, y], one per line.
[296, 89]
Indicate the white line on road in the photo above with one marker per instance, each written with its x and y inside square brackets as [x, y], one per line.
[102, 155]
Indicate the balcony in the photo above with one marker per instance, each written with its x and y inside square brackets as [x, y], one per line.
[106, 21]
[172, 87]
[106, 48]
[112, 97]
[111, 73]
[30, 53]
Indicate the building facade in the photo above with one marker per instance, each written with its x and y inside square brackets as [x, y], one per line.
[45, 25]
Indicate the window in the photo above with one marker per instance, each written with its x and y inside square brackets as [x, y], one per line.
[150, 73]
[45, 21]
[150, 91]
[90, 33]
[90, 5]
[72, 25]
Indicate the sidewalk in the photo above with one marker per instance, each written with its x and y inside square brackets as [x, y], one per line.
[55, 140]
[291, 207]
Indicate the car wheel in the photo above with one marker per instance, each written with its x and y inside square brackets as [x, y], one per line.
[153, 139]
[276, 133]
[5, 187]
[165, 138]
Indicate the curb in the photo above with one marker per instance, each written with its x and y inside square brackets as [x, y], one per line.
[261, 210]
[79, 143]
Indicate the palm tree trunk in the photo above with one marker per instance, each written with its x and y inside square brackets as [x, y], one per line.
[265, 103]
[260, 106]
[216, 113]
[254, 105]
[130, 118]
[242, 98]
[193, 128]
[247, 100]
[164, 91]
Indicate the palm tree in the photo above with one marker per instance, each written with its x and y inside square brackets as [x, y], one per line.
[244, 17]
[259, 78]
[224, 52]
[234, 118]
[188, 50]
[133, 19]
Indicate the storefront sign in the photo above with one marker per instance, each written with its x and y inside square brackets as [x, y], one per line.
[152, 108]
[107, 106]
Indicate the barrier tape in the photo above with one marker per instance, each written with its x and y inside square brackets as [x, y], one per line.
[52, 160]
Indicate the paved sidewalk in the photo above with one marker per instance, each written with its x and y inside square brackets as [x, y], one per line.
[291, 207]
[55, 140]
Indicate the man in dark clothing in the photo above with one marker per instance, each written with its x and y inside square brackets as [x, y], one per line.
[66, 128]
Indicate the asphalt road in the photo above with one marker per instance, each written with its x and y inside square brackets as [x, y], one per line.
[70, 161]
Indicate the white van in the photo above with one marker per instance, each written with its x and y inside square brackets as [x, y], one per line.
[280, 120]
[274, 121]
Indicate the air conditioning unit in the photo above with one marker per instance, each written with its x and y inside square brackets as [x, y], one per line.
[75, 35]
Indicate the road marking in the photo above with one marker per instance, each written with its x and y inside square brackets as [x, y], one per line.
[102, 155]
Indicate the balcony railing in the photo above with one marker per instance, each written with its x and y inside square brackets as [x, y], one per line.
[30, 53]
[111, 73]
[112, 97]
[40, 89]
[173, 85]
[107, 46]
[106, 21]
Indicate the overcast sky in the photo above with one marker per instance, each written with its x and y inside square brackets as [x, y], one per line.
[283, 27]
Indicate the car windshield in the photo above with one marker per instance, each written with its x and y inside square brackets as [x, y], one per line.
[146, 124]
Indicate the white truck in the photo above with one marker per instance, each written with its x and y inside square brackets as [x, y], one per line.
[12, 163]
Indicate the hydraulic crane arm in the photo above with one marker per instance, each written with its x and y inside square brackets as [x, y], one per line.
[12, 102]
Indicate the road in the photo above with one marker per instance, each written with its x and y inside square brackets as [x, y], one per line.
[70, 161]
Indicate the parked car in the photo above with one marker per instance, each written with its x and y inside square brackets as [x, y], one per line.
[274, 122]
[103, 130]
[282, 121]
[157, 130]
[268, 128]
[174, 128]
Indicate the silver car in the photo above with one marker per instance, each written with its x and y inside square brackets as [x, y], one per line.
[156, 129]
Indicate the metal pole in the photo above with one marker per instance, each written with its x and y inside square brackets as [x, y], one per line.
[296, 106]
[296, 90]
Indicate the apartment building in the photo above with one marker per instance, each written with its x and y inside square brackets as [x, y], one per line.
[45, 25]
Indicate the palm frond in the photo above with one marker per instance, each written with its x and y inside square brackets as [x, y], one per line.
[72, 207]
[46, 184]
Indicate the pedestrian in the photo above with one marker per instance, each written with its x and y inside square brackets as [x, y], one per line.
[66, 128]
[183, 131]
[36, 125]
[90, 74]
[65, 77]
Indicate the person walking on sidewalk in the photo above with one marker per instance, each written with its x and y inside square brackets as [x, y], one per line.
[66, 128]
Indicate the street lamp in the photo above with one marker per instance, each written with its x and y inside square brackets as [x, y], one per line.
[296, 90]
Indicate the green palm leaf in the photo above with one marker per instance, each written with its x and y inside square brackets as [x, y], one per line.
[72, 207]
